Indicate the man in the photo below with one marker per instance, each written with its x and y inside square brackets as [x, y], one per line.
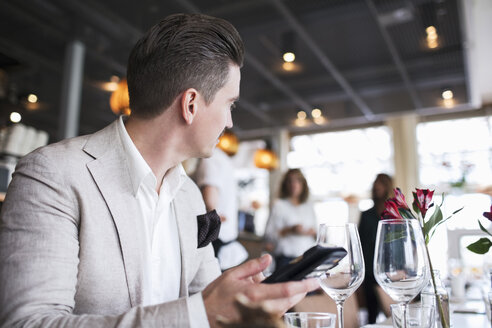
[101, 230]
[215, 177]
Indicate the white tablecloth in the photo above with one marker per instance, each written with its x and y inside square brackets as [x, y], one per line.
[474, 316]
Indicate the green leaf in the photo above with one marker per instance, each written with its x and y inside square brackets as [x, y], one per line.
[481, 246]
[395, 235]
[442, 199]
[433, 220]
[434, 228]
[456, 211]
[438, 224]
[406, 213]
[483, 228]
[415, 208]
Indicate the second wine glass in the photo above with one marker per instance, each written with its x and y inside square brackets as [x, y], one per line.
[342, 280]
[400, 261]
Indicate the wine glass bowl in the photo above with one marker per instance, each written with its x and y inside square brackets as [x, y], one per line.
[341, 281]
[400, 260]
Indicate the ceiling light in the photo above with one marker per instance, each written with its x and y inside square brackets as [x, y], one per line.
[301, 115]
[109, 86]
[316, 113]
[266, 159]
[300, 123]
[448, 103]
[289, 57]
[15, 117]
[229, 143]
[430, 30]
[32, 98]
[319, 120]
[120, 101]
[432, 44]
[288, 66]
[115, 79]
[432, 37]
[447, 94]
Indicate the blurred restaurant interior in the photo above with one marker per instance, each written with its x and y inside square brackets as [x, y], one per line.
[402, 87]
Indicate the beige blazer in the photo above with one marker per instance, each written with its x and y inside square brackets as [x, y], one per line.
[70, 236]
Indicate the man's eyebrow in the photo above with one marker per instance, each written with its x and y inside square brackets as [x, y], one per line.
[234, 99]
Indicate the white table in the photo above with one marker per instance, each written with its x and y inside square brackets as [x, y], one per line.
[469, 314]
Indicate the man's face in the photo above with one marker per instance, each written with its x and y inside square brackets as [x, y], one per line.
[212, 119]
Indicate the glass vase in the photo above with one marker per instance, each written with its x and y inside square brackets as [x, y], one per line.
[428, 297]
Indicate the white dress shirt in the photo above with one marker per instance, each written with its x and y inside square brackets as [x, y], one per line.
[162, 256]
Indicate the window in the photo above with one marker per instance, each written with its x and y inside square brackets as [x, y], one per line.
[456, 153]
[340, 165]
[456, 159]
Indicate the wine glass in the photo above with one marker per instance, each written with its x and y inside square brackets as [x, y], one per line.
[400, 261]
[342, 280]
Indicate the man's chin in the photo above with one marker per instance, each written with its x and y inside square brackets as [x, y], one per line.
[208, 152]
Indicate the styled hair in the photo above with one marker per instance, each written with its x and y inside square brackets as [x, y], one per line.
[284, 187]
[183, 51]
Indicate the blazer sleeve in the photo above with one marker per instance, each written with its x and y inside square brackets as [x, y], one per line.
[39, 258]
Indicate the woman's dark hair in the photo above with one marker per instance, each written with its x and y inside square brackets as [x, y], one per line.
[387, 182]
[182, 51]
[284, 186]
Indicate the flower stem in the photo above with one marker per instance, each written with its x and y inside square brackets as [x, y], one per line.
[438, 299]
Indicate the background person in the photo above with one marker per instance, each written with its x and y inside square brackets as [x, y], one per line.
[368, 226]
[215, 178]
[292, 226]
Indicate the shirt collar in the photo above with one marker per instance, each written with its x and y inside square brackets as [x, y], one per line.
[173, 179]
[140, 171]
[137, 165]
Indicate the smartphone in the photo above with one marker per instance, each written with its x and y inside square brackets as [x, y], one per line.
[313, 263]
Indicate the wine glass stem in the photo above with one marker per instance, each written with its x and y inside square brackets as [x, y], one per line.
[340, 313]
[403, 307]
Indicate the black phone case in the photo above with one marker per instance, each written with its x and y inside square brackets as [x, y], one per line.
[312, 263]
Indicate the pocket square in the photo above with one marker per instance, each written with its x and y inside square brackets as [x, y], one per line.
[208, 228]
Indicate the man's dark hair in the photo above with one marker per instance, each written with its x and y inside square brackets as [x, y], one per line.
[182, 51]
[284, 186]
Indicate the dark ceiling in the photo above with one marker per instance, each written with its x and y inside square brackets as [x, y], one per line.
[358, 61]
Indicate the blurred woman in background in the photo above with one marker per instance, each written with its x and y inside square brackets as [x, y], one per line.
[291, 227]
[368, 225]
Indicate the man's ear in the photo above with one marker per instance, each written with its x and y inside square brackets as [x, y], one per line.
[189, 104]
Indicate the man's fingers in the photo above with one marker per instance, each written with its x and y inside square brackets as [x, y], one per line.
[258, 293]
[280, 306]
[257, 278]
[250, 268]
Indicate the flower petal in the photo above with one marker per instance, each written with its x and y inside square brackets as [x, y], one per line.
[391, 211]
[488, 215]
[399, 199]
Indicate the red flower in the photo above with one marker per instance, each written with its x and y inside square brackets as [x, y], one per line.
[422, 199]
[391, 211]
[399, 199]
[488, 215]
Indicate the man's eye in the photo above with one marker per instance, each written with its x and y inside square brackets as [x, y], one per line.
[233, 106]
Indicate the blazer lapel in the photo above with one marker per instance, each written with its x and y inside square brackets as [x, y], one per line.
[187, 229]
[110, 172]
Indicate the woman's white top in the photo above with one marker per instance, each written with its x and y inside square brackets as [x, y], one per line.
[285, 214]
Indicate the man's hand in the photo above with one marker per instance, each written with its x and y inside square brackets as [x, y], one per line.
[219, 296]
